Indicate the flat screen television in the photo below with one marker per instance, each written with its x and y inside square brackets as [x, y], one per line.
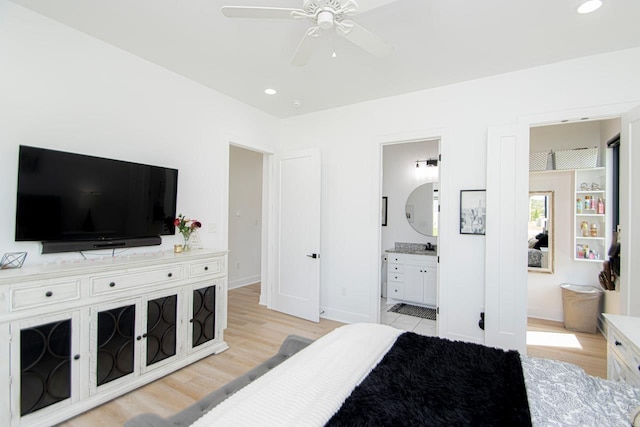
[74, 202]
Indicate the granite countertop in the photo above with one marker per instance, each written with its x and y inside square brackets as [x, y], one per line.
[413, 249]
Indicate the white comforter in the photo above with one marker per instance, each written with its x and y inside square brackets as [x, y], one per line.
[308, 389]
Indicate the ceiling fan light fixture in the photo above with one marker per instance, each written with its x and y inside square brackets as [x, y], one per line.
[325, 19]
[589, 6]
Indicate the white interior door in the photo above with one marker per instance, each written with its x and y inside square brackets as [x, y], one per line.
[295, 289]
[506, 233]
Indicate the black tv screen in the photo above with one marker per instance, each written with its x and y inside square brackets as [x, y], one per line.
[73, 198]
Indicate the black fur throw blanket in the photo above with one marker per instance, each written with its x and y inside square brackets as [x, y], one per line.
[428, 381]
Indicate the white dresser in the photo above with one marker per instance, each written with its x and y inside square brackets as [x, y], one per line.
[623, 348]
[412, 278]
[80, 333]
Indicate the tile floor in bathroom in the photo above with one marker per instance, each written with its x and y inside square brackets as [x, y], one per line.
[406, 323]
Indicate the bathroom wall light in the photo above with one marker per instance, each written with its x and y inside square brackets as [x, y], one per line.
[427, 162]
[589, 6]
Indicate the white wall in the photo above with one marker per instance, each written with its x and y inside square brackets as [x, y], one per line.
[64, 90]
[544, 296]
[245, 216]
[351, 170]
[400, 178]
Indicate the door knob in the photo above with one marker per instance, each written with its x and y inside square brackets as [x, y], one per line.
[314, 256]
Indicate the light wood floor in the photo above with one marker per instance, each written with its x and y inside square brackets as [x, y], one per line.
[588, 351]
[254, 334]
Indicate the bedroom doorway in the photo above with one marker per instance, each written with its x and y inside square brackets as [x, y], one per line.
[245, 217]
[409, 235]
[546, 335]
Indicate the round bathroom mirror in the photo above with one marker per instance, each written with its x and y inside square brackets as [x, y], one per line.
[422, 209]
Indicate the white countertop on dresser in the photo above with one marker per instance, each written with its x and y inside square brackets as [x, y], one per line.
[627, 325]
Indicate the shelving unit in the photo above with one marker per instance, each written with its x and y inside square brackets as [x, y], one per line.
[591, 223]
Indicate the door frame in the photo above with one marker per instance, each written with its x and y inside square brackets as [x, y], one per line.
[593, 113]
[444, 224]
[267, 234]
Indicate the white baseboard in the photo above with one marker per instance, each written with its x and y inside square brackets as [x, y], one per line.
[238, 283]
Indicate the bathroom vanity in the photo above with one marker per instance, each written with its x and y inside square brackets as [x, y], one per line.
[412, 275]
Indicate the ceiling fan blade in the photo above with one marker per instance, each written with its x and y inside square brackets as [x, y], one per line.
[261, 12]
[364, 39]
[306, 47]
[367, 5]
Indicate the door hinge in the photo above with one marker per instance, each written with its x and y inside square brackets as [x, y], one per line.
[438, 208]
[439, 157]
[437, 310]
[438, 259]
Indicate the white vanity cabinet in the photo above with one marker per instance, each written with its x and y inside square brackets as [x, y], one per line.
[82, 333]
[412, 278]
[623, 348]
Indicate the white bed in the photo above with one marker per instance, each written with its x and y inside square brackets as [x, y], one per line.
[310, 387]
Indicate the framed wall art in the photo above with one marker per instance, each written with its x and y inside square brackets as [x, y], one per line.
[473, 208]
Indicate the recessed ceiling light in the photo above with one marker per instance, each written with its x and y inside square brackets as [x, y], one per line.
[297, 103]
[589, 6]
[270, 91]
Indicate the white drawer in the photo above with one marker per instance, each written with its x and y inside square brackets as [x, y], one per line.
[119, 282]
[396, 268]
[395, 258]
[212, 266]
[395, 277]
[394, 290]
[44, 294]
[625, 351]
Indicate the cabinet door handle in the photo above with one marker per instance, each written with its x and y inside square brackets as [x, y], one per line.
[48, 293]
[190, 320]
[112, 284]
[618, 342]
[138, 338]
[144, 335]
[76, 357]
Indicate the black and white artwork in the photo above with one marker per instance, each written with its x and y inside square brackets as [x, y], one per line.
[473, 206]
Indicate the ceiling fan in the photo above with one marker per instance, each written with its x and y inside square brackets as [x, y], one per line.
[325, 15]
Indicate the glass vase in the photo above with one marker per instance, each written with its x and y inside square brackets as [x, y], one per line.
[185, 246]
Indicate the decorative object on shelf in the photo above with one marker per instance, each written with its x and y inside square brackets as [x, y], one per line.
[177, 249]
[473, 205]
[12, 260]
[186, 227]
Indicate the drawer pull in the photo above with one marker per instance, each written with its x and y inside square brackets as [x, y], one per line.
[206, 268]
[112, 284]
[170, 274]
[76, 357]
[618, 342]
[48, 293]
